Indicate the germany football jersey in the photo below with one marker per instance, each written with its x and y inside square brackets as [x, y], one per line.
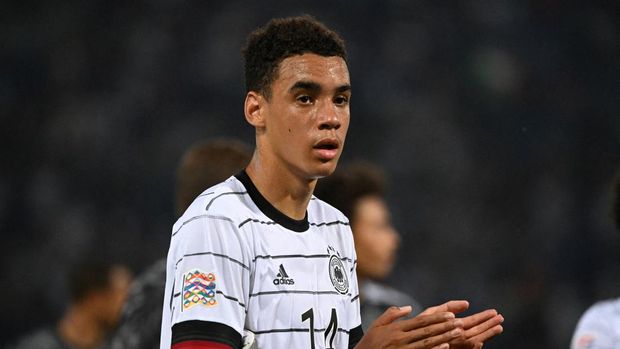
[236, 262]
[599, 327]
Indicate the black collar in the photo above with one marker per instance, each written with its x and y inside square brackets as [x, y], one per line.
[267, 208]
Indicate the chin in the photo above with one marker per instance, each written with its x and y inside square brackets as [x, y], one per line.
[324, 171]
[328, 167]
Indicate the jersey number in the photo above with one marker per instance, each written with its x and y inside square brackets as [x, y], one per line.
[330, 331]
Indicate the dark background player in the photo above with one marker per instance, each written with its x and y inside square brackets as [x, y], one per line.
[496, 120]
[98, 291]
[358, 190]
[203, 165]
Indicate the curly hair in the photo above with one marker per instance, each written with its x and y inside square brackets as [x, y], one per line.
[344, 188]
[281, 38]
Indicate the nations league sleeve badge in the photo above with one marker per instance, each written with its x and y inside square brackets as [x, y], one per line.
[198, 289]
[338, 274]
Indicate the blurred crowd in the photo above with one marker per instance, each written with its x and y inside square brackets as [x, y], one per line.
[496, 122]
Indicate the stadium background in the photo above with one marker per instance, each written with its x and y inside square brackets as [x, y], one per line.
[498, 122]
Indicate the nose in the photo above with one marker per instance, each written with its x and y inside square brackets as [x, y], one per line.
[328, 117]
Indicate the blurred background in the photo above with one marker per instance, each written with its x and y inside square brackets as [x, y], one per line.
[498, 122]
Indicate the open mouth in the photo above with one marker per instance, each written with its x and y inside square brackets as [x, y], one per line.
[327, 149]
[327, 144]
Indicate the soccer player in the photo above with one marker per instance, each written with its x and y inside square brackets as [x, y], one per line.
[203, 165]
[599, 327]
[358, 191]
[98, 291]
[258, 252]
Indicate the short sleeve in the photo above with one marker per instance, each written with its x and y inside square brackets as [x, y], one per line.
[593, 331]
[210, 265]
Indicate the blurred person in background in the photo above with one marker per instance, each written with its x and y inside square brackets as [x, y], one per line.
[203, 164]
[98, 292]
[599, 326]
[358, 190]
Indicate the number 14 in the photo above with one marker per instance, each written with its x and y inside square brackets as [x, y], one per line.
[330, 331]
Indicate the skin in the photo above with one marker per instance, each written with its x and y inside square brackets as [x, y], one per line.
[86, 322]
[376, 240]
[434, 328]
[309, 106]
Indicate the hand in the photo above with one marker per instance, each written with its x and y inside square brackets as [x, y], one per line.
[428, 331]
[478, 328]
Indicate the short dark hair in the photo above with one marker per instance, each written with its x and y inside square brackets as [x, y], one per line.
[615, 206]
[281, 38]
[87, 277]
[348, 184]
[205, 164]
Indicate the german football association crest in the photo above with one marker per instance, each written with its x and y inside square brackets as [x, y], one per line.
[198, 289]
[338, 274]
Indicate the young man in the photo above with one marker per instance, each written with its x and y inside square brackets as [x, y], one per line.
[358, 191]
[599, 327]
[258, 252]
[203, 165]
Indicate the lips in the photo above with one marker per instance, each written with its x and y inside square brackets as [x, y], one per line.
[327, 148]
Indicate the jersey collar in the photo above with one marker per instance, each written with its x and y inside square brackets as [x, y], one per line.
[268, 209]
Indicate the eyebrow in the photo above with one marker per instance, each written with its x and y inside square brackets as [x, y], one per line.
[315, 87]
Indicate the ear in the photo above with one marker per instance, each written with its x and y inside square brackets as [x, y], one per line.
[254, 109]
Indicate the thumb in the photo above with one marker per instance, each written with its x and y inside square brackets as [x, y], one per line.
[391, 315]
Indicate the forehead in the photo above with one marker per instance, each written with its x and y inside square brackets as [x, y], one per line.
[370, 207]
[331, 70]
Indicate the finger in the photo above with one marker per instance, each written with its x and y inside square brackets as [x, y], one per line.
[422, 321]
[451, 306]
[488, 334]
[442, 346]
[484, 326]
[478, 318]
[454, 326]
[438, 340]
[391, 314]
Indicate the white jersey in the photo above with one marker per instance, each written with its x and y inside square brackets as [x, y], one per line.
[599, 327]
[235, 262]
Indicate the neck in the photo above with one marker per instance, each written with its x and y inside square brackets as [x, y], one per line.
[80, 329]
[290, 196]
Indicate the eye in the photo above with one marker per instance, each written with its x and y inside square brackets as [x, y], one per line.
[304, 99]
[341, 100]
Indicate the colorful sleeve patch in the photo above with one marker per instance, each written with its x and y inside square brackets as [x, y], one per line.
[199, 288]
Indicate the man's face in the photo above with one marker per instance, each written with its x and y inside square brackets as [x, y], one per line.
[108, 303]
[307, 116]
[376, 240]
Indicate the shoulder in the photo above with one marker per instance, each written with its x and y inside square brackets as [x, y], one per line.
[319, 210]
[599, 325]
[603, 311]
[226, 201]
[141, 321]
[219, 199]
[43, 338]
[146, 290]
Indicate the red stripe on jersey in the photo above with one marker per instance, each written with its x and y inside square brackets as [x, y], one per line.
[197, 344]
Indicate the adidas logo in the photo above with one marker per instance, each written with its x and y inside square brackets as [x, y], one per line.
[282, 277]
